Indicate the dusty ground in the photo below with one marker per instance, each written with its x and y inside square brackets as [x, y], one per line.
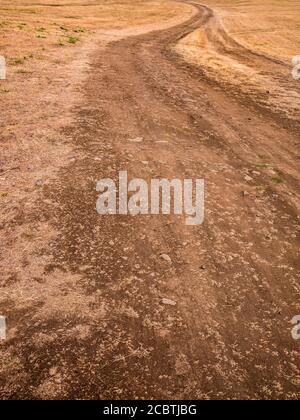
[82, 293]
[270, 26]
[249, 47]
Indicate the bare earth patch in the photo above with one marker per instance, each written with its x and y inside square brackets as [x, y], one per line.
[48, 50]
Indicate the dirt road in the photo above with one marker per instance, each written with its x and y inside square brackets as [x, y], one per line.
[235, 278]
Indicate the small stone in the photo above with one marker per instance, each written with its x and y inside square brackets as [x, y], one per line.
[2, 327]
[248, 178]
[48, 202]
[166, 258]
[53, 371]
[136, 140]
[245, 193]
[85, 267]
[169, 302]
[39, 182]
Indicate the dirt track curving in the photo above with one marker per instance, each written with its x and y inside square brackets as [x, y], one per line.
[100, 330]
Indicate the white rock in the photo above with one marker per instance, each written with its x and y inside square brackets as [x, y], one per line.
[166, 258]
[169, 302]
[2, 327]
[136, 140]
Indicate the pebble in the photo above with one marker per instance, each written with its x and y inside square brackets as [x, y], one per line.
[166, 258]
[136, 140]
[169, 302]
[39, 182]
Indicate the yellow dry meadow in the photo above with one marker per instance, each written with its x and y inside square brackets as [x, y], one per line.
[28, 27]
[269, 26]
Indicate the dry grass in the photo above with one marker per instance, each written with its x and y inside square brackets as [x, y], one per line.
[269, 26]
[47, 45]
[28, 27]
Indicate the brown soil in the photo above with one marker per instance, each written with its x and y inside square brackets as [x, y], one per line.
[82, 293]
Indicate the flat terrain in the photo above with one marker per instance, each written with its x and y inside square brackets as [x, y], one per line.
[208, 91]
[270, 26]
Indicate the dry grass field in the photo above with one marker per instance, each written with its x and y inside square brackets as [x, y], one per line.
[39, 25]
[232, 45]
[270, 26]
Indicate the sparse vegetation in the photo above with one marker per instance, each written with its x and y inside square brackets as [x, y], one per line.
[277, 180]
[17, 61]
[73, 40]
[21, 71]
